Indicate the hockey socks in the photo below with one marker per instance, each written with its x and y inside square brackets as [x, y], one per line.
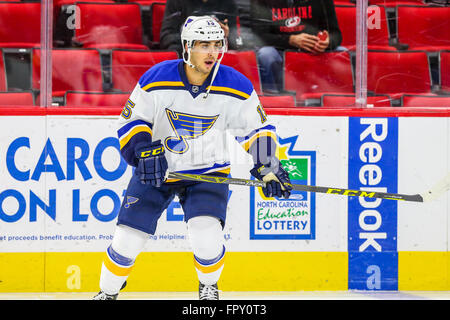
[115, 270]
[206, 237]
[120, 257]
[209, 270]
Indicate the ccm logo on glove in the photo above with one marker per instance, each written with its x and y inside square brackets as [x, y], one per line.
[152, 152]
[152, 164]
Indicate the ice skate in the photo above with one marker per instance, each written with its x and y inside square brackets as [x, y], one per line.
[208, 292]
[104, 296]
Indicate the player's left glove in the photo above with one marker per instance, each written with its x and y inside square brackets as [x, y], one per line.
[152, 165]
[276, 179]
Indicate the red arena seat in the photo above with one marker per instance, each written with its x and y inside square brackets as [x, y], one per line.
[390, 72]
[424, 28]
[157, 14]
[331, 100]
[105, 26]
[16, 99]
[279, 101]
[245, 62]
[344, 2]
[20, 24]
[444, 70]
[377, 29]
[94, 99]
[128, 66]
[72, 69]
[59, 3]
[393, 3]
[425, 101]
[310, 76]
[148, 2]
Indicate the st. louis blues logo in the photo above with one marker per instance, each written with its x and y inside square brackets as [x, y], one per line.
[130, 200]
[186, 127]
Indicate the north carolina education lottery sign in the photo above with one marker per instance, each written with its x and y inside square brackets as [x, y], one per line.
[293, 218]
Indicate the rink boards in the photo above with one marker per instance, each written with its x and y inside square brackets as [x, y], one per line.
[62, 182]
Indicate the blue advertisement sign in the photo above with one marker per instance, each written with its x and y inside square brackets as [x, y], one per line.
[372, 223]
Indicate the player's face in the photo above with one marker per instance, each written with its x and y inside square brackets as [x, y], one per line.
[204, 54]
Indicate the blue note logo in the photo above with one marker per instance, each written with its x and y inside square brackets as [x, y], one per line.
[129, 201]
[186, 127]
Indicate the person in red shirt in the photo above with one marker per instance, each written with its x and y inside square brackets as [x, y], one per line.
[307, 25]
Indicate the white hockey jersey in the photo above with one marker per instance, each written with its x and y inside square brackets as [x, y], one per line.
[165, 106]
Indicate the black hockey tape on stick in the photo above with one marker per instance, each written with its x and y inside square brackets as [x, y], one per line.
[429, 195]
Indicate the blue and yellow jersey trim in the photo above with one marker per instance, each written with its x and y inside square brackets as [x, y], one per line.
[247, 141]
[170, 75]
[159, 85]
[232, 83]
[131, 129]
[163, 75]
[229, 92]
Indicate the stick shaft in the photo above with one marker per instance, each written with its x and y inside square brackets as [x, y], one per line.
[298, 187]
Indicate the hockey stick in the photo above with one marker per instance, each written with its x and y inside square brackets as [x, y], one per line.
[441, 187]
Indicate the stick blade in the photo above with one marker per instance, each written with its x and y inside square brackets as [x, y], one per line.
[437, 190]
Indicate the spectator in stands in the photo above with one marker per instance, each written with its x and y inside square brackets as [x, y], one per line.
[177, 11]
[307, 25]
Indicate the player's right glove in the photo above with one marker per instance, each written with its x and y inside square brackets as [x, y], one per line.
[276, 179]
[152, 165]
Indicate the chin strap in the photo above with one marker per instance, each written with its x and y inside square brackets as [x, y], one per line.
[188, 60]
[216, 69]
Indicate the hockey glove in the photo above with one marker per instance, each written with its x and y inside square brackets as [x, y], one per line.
[276, 179]
[152, 165]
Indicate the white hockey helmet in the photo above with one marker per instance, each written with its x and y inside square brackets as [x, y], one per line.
[200, 28]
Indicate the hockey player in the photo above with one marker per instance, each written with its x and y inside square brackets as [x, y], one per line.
[175, 121]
